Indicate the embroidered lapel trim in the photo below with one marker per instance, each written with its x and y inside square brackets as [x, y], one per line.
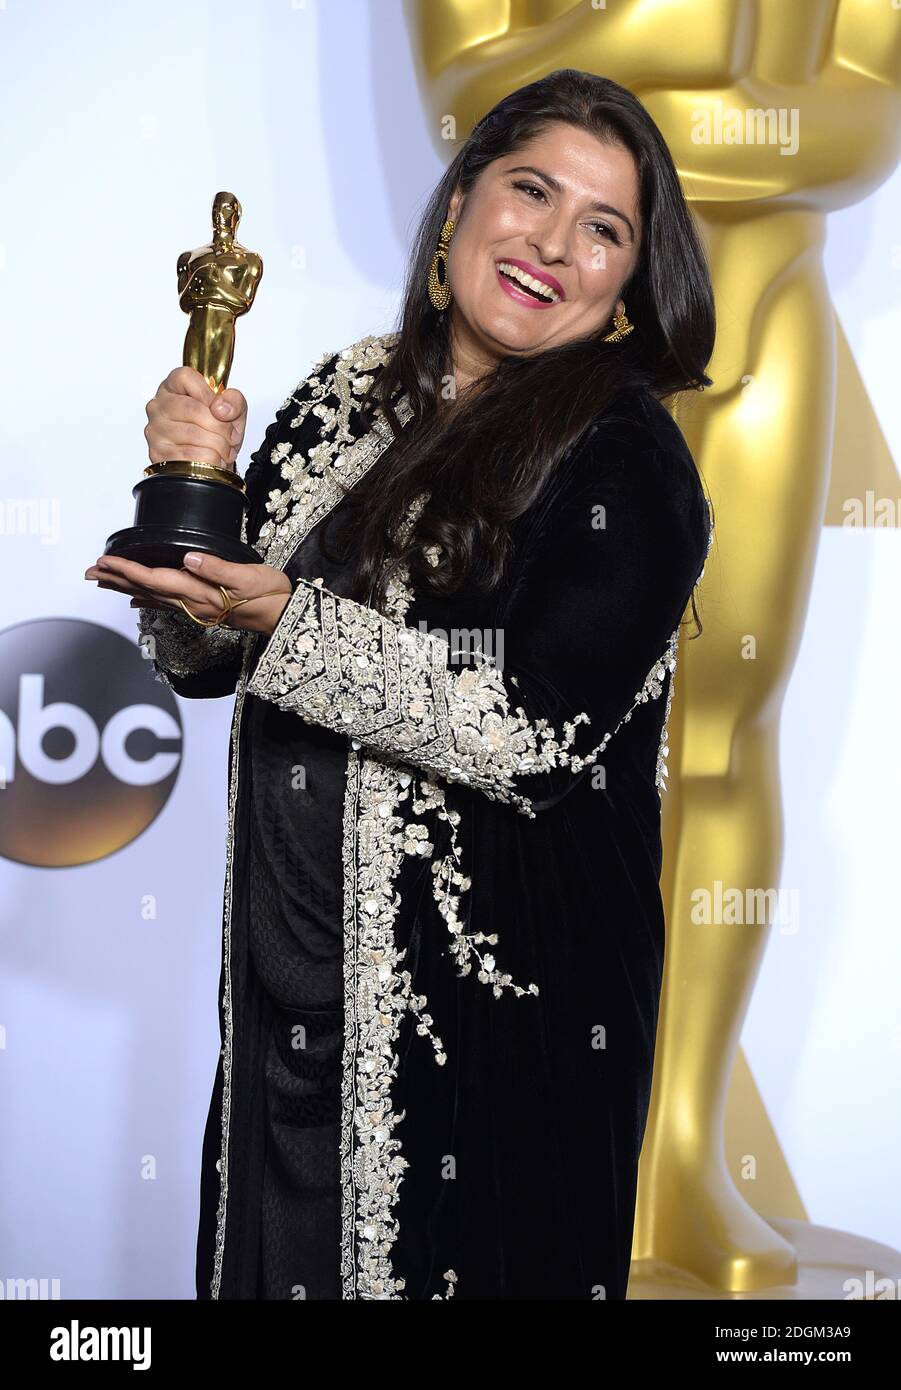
[377, 994]
[339, 457]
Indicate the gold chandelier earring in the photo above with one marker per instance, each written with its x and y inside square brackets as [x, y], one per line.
[621, 327]
[439, 289]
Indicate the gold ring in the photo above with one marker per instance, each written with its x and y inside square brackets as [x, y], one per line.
[211, 622]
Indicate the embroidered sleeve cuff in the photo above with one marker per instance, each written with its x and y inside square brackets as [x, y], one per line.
[179, 647]
[391, 688]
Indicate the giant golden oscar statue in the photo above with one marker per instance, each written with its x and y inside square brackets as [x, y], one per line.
[775, 114]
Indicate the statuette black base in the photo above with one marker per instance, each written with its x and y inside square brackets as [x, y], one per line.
[175, 515]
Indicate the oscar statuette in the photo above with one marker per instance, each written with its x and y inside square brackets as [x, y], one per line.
[185, 504]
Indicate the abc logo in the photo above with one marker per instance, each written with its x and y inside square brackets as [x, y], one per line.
[90, 743]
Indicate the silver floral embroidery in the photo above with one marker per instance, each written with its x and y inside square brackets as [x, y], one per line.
[449, 877]
[662, 771]
[179, 647]
[377, 993]
[338, 663]
[451, 1278]
[314, 483]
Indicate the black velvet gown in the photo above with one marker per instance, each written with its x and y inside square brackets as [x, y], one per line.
[402, 1108]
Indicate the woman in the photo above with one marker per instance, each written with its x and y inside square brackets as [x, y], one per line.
[443, 931]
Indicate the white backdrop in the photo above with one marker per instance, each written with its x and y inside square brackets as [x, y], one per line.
[119, 123]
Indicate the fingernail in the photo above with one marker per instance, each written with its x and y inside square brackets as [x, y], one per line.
[193, 562]
[225, 410]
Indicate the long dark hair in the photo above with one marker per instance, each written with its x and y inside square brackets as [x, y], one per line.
[507, 423]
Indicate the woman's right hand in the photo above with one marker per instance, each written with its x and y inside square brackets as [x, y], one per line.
[187, 420]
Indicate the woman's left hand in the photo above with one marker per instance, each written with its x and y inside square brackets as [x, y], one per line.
[198, 587]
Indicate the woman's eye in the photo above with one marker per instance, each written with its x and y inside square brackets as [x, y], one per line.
[530, 188]
[606, 230]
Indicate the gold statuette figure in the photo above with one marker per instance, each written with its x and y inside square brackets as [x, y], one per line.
[186, 504]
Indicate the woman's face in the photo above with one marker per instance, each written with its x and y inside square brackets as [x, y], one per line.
[564, 207]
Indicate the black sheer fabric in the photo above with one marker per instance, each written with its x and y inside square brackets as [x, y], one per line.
[516, 1170]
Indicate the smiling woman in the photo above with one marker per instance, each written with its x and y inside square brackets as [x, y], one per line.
[443, 932]
[557, 214]
[563, 148]
[575, 276]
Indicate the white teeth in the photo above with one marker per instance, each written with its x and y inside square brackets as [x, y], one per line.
[538, 285]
